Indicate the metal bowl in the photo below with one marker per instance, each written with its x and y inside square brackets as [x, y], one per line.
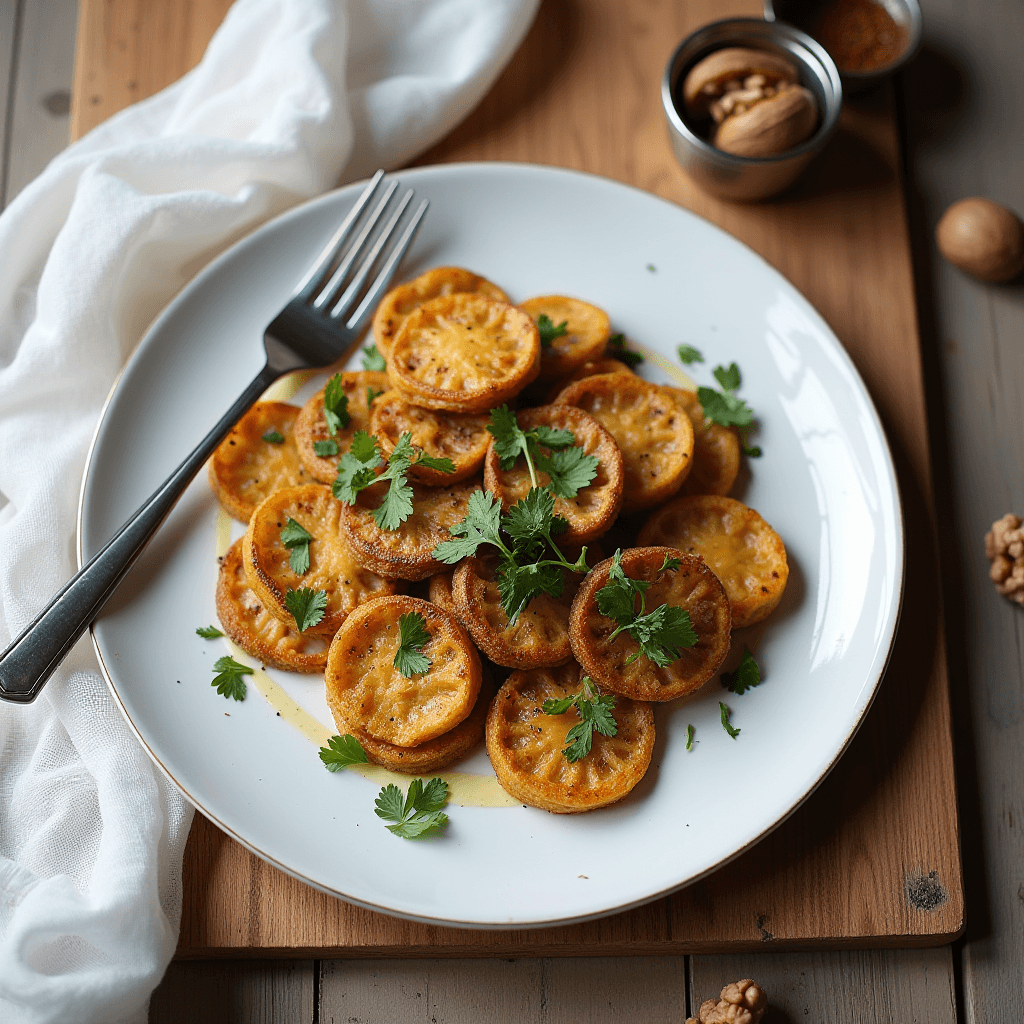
[803, 13]
[738, 177]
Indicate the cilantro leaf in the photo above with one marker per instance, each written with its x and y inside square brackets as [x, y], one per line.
[670, 564]
[442, 465]
[409, 658]
[273, 436]
[342, 751]
[752, 452]
[481, 526]
[724, 409]
[518, 585]
[229, 679]
[371, 394]
[208, 632]
[551, 438]
[417, 814]
[336, 405]
[617, 350]
[396, 506]
[548, 331]
[689, 737]
[296, 539]
[509, 439]
[689, 355]
[307, 606]
[357, 468]
[595, 712]
[325, 448]
[372, 359]
[747, 676]
[570, 470]
[531, 516]
[728, 377]
[733, 732]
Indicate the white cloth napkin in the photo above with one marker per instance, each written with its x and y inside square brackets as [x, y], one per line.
[292, 97]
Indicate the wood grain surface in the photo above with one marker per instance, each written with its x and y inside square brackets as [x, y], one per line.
[873, 857]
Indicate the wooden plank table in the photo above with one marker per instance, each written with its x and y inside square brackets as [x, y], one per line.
[986, 43]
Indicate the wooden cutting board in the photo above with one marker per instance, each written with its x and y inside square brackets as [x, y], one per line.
[872, 858]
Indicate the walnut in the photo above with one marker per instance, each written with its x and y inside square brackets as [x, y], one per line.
[742, 1002]
[1004, 545]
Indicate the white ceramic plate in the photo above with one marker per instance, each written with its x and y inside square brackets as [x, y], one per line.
[825, 482]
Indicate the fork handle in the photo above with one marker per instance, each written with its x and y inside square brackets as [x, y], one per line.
[29, 661]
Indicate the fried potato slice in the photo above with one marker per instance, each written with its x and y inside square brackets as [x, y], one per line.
[541, 634]
[396, 306]
[595, 506]
[525, 745]
[245, 468]
[692, 587]
[334, 566]
[742, 550]
[441, 591]
[377, 698]
[255, 630]
[406, 553]
[465, 353]
[311, 426]
[589, 369]
[461, 437]
[716, 449]
[587, 330]
[654, 435]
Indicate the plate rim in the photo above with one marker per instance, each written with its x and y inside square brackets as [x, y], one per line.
[298, 210]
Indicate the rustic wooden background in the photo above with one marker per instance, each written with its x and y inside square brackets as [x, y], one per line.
[961, 130]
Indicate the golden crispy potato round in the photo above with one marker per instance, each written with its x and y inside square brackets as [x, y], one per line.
[430, 756]
[255, 630]
[245, 468]
[406, 553]
[742, 550]
[595, 506]
[441, 591]
[588, 369]
[587, 330]
[374, 696]
[465, 353]
[311, 426]
[692, 587]
[716, 449]
[525, 745]
[654, 435]
[333, 565]
[396, 306]
[461, 437]
[541, 633]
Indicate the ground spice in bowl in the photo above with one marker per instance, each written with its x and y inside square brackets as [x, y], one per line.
[860, 35]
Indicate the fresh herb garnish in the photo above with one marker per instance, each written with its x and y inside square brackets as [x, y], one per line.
[617, 350]
[307, 606]
[725, 721]
[688, 354]
[413, 636]
[358, 470]
[229, 679]
[416, 815]
[273, 436]
[529, 524]
[336, 405]
[325, 449]
[662, 633]
[373, 360]
[569, 467]
[371, 394]
[208, 632]
[724, 408]
[689, 737]
[595, 711]
[548, 330]
[652, 268]
[342, 751]
[295, 537]
[747, 676]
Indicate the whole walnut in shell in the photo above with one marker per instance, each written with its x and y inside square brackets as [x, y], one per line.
[742, 1002]
[1004, 546]
[983, 238]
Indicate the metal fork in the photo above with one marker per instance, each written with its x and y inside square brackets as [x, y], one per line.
[322, 320]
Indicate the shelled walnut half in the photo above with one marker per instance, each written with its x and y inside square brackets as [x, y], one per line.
[742, 1002]
[754, 100]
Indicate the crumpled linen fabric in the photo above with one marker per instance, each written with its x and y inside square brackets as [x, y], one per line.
[292, 98]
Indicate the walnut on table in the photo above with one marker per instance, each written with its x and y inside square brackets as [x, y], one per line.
[742, 1002]
[1004, 546]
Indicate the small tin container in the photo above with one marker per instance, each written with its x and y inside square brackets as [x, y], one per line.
[749, 178]
[804, 13]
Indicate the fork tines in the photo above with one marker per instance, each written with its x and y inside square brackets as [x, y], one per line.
[345, 297]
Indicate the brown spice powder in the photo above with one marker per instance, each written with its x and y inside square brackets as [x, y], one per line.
[860, 35]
